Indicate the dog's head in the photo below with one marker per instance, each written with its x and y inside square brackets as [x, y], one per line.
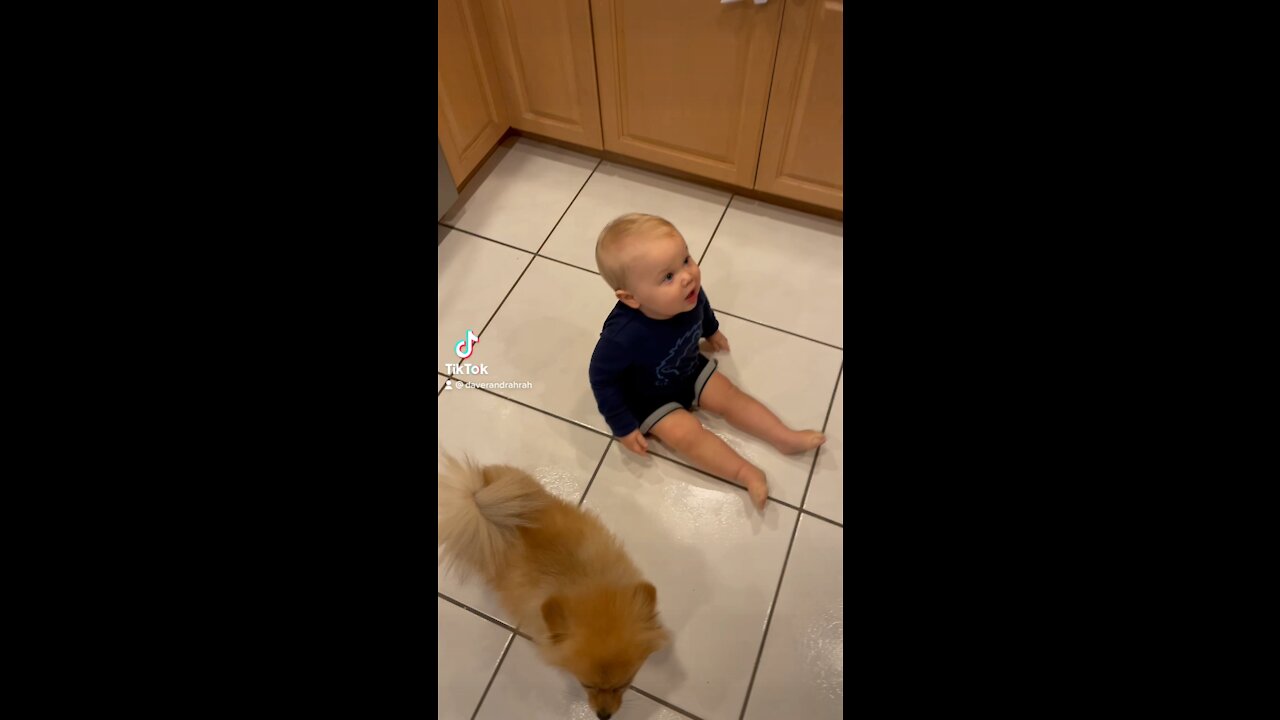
[602, 636]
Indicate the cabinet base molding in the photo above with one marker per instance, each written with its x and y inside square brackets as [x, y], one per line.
[749, 193]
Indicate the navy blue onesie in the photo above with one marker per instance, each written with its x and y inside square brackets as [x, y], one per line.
[643, 369]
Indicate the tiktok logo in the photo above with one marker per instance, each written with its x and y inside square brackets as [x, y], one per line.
[469, 342]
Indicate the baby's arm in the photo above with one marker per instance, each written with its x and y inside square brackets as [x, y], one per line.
[711, 326]
[608, 363]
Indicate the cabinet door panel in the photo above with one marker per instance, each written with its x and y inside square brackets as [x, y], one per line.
[470, 107]
[685, 83]
[802, 155]
[546, 63]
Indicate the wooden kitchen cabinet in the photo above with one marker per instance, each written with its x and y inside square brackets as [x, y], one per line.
[471, 109]
[802, 153]
[547, 66]
[748, 95]
[685, 83]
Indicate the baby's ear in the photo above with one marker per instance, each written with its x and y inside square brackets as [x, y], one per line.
[554, 616]
[627, 299]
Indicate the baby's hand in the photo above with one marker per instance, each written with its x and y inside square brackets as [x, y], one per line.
[635, 442]
[718, 342]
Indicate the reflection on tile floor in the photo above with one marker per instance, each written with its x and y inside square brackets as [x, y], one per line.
[755, 603]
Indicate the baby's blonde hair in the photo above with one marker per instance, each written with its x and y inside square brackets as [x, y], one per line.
[614, 237]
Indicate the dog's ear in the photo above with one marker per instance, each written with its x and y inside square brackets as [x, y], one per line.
[646, 599]
[554, 616]
[659, 639]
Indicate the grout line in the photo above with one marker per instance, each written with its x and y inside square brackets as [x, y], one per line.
[475, 612]
[830, 404]
[510, 641]
[566, 210]
[504, 297]
[482, 237]
[669, 706]
[575, 423]
[757, 322]
[816, 516]
[603, 455]
[575, 267]
[713, 232]
[513, 247]
[769, 620]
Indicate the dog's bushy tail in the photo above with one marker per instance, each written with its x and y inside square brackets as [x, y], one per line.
[479, 511]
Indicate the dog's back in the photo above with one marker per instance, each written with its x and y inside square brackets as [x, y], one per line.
[564, 551]
[526, 543]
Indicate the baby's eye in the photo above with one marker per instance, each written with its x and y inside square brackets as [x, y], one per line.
[667, 277]
[686, 259]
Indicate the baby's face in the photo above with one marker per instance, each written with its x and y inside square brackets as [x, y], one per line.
[662, 279]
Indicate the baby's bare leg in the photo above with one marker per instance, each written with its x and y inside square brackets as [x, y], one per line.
[744, 412]
[683, 433]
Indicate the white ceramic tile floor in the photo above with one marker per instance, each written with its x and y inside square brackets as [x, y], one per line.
[545, 334]
[520, 193]
[779, 267]
[467, 653]
[473, 275]
[801, 673]
[715, 561]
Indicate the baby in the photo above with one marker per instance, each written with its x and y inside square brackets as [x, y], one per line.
[647, 373]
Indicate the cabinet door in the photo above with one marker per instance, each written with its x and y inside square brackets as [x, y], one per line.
[470, 107]
[547, 66]
[685, 83]
[802, 156]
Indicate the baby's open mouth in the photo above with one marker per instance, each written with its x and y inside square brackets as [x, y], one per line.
[693, 295]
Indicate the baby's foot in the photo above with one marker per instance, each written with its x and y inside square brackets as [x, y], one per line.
[753, 478]
[798, 441]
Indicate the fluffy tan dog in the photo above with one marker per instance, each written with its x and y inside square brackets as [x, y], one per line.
[559, 572]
